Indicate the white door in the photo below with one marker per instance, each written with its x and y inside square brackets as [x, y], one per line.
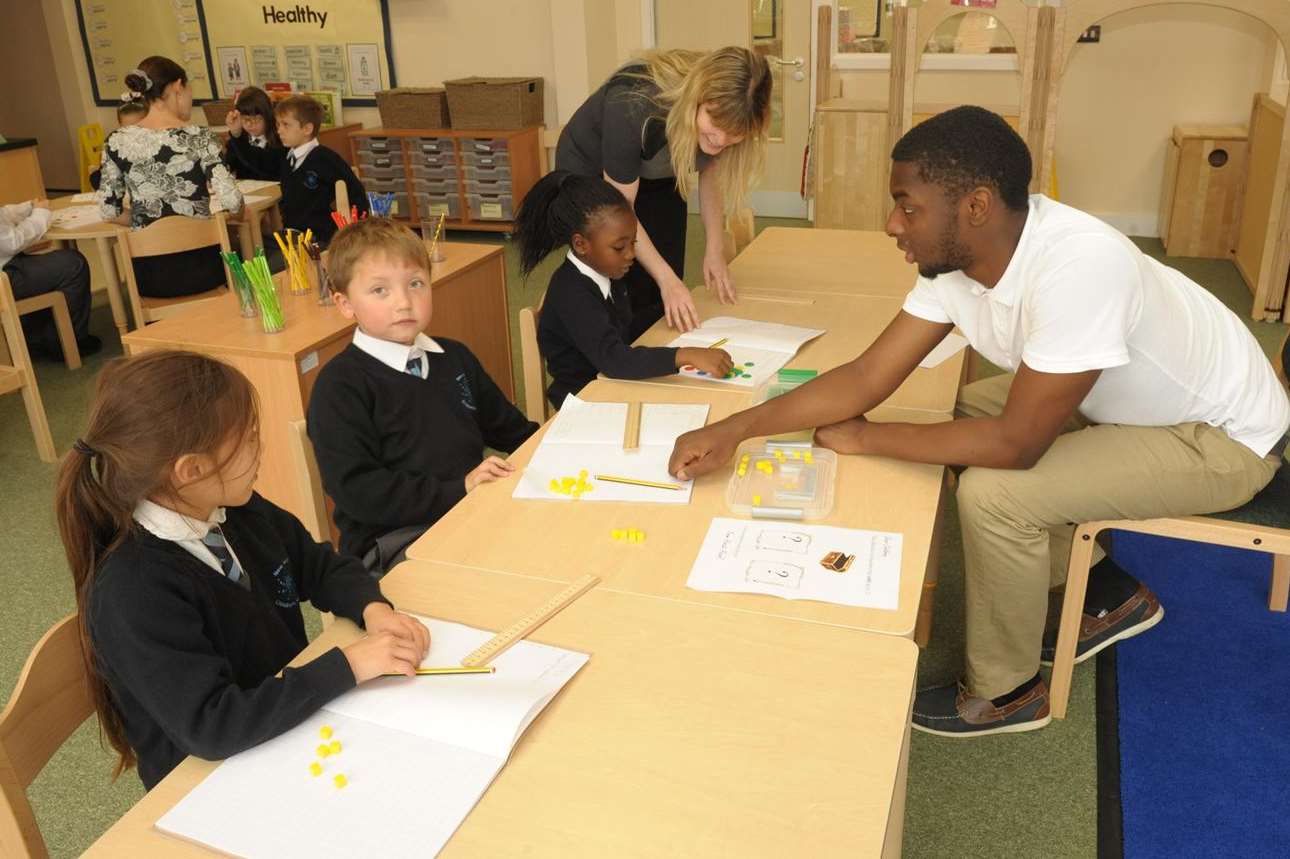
[780, 29]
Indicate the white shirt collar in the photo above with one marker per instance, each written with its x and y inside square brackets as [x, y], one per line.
[396, 355]
[166, 524]
[260, 142]
[304, 149]
[599, 279]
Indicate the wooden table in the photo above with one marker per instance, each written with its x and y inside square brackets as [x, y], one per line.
[469, 305]
[557, 539]
[692, 731]
[851, 323]
[258, 205]
[840, 262]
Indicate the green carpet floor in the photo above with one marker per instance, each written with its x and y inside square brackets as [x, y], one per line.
[1028, 794]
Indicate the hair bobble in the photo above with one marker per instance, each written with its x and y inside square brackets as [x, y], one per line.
[82, 448]
[143, 76]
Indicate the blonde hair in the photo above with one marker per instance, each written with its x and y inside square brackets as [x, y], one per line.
[372, 235]
[735, 84]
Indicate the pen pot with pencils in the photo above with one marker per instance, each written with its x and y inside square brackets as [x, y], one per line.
[266, 294]
[241, 286]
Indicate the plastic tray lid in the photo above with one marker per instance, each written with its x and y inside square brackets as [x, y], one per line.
[782, 479]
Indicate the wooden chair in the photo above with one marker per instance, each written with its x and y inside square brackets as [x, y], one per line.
[49, 703]
[342, 198]
[740, 231]
[56, 303]
[536, 404]
[309, 481]
[170, 235]
[1262, 525]
[18, 374]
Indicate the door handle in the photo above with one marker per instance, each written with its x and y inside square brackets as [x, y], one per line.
[796, 62]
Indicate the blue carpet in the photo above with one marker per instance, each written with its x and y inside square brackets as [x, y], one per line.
[1204, 701]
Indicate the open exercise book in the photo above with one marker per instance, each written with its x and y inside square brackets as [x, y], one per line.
[416, 754]
[800, 562]
[759, 349]
[588, 437]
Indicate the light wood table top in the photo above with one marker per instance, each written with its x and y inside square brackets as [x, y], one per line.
[558, 539]
[217, 326]
[842, 262]
[850, 322]
[692, 730]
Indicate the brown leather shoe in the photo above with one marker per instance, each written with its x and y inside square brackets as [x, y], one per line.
[1137, 614]
[952, 711]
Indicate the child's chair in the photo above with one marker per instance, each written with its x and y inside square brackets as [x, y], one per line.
[90, 138]
[1262, 525]
[56, 303]
[535, 401]
[342, 198]
[170, 235]
[309, 481]
[740, 231]
[17, 374]
[49, 703]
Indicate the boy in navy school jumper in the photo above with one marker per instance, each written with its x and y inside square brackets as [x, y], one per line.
[309, 171]
[188, 585]
[399, 421]
[254, 150]
[586, 313]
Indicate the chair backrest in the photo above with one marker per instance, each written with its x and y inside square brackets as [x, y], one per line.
[535, 401]
[342, 198]
[175, 234]
[18, 374]
[309, 482]
[51, 701]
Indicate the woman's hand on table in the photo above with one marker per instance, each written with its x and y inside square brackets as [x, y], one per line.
[716, 274]
[678, 305]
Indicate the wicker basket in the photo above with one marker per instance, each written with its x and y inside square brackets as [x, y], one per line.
[413, 107]
[495, 102]
[217, 111]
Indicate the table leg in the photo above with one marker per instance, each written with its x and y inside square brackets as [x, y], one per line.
[108, 260]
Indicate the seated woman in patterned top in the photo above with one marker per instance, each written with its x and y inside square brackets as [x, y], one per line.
[168, 166]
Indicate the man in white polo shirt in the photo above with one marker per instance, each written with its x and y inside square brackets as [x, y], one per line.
[1133, 393]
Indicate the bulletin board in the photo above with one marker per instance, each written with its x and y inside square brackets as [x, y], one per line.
[224, 45]
[340, 45]
[117, 34]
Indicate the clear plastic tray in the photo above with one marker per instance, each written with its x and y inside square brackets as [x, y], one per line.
[778, 385]
[778, 479]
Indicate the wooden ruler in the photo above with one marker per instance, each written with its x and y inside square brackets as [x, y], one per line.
[632, 430]
[498, 644]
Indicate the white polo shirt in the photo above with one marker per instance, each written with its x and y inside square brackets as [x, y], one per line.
[1077, 295]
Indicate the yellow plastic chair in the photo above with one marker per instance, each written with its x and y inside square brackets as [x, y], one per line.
[91, 144]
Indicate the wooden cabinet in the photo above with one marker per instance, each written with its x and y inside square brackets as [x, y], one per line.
[474, 179]
[1200, 202]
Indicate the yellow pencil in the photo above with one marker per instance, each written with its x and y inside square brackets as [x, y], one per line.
[451, 669]
[634, 482]
[723, 341]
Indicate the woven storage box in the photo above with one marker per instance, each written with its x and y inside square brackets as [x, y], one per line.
[413, 107]
[217, 111]
[495, 102]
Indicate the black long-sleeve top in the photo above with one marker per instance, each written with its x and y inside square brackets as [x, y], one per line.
[394, 449]
[309, 192]
[189, 656]
[248, 161]
[581, 333]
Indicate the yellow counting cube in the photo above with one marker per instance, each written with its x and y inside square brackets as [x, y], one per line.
[340, 780]
[323, 750]
[334, 748]
[315, 769]
[325, 732]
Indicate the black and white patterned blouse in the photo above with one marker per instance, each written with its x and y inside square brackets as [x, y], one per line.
[166, 171]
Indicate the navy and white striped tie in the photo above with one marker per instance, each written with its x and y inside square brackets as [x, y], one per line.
[214, 541]
[414, 366]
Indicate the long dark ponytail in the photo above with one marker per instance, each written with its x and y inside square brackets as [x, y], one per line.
[559, 205]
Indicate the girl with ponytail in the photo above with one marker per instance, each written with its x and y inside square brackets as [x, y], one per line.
[188, 584]
[586, 314]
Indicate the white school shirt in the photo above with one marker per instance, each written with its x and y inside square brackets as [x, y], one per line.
[261, 142]
[599, 279]
[397, 355]
[166, 524]
[1077, 295]
[301, 151]
[21, 224]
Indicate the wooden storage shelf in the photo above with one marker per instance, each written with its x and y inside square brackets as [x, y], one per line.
[524, 146]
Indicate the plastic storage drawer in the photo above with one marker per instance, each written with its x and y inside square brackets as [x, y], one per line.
[485, 145]
[434, 173]
[434, 205]
[393, 158]
[486, 159]
[431, 145]
[378, 144]
[491, 207]
[435, 187]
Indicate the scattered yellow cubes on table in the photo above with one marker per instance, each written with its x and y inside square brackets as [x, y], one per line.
[630, 535]
[340, 780]
[315, 769]
[334, 748]
[325, 732]
[323, 750]
[571, 486]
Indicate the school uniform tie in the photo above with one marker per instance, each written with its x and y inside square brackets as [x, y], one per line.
[414, 366]
[291, 160]
[214, 541]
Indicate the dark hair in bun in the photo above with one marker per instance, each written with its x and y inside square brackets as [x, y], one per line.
[152, 77]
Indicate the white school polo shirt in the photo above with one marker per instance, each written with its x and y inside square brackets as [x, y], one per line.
[1077, 295]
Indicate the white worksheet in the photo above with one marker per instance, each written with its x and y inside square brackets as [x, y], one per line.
[758, 349]
[417, 753]
[800, 562]
[71, 217]
[588, 437]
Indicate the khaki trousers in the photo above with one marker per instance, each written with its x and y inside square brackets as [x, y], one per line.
[1017, 523]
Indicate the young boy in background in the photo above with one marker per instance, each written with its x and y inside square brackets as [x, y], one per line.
[311, 170]
[399, 421]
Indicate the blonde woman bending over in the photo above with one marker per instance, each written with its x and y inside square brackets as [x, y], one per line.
[648, 130]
